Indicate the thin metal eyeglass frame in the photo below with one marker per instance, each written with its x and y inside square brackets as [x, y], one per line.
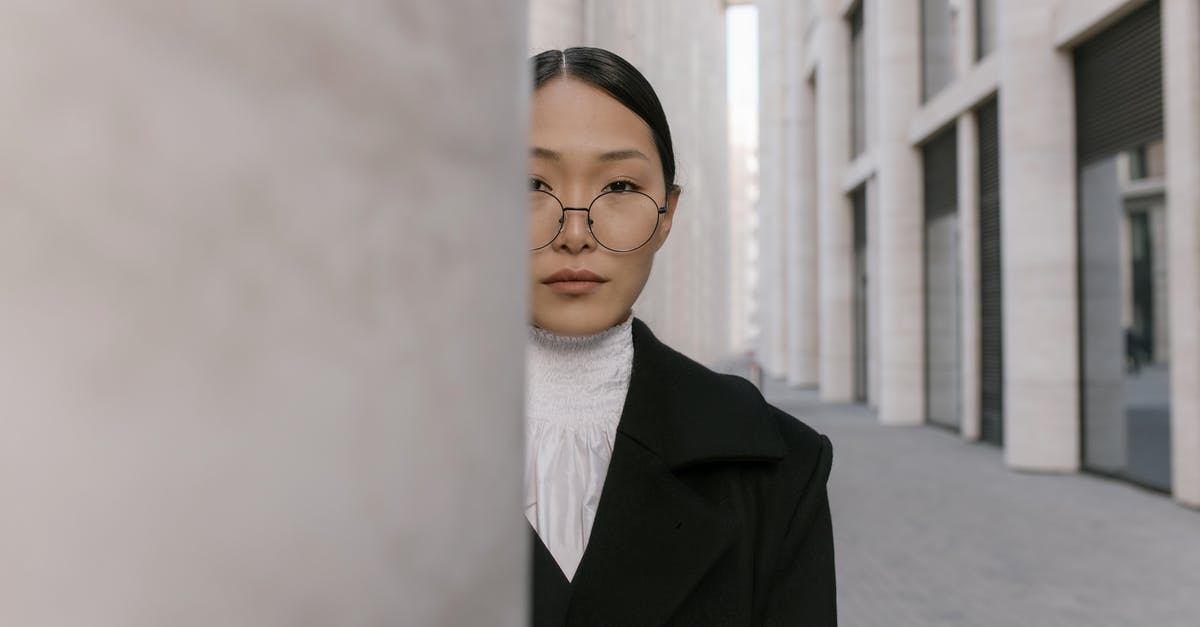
[562, 220]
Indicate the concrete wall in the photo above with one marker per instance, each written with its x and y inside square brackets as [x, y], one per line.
[835, 222]
[967, 132]
[872, 29]
[799, 202]
[259, 316]
[970, 340]
[1181, 80]
[902, 333]
[773, 320]
[555, 24]
[1041, 331]
[807, 290]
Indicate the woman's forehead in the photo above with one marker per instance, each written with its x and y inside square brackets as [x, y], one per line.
[573, 118]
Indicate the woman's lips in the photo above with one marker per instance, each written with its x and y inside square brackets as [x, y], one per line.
[574, 281]
[574, 287]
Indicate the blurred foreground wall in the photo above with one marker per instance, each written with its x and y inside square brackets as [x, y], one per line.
[257, 306]
[680, 46]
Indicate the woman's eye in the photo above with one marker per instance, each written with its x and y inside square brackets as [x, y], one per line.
[620, 186]
[536, 185]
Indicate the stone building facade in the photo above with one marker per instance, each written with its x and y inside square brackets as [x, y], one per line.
[985, 215]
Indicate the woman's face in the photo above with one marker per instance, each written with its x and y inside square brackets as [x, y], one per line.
[584, 143]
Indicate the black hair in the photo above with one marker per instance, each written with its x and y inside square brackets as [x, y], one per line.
[610, 73]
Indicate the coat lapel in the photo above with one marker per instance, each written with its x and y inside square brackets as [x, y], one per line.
[551, 590]
[651, 543]
[654, 538]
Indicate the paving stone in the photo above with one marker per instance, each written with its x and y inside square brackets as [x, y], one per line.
[931, 530]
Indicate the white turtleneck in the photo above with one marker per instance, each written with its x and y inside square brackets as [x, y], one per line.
[575, 391]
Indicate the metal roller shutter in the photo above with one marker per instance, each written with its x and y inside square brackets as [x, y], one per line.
[1119, 86]
[861, 290]
[942, 359]
[991, 310]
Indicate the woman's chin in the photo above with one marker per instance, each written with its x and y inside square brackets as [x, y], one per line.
[572, 321]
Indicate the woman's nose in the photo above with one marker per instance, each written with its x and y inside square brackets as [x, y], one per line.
[576, 234]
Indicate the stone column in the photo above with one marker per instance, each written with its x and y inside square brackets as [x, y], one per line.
[786, 66]
[872, 28]
[901, 217]
[968, 225]
[966, 36]
[1041, 330]
[772, 322]
[262, 309]
[803, 287]
[835, 219]
[1181, 77]
[969, 320]
[874, 296]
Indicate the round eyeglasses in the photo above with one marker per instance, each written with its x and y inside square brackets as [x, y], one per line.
[620, 220]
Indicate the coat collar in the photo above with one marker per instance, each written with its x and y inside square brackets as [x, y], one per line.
[687, 414]
[654, 537]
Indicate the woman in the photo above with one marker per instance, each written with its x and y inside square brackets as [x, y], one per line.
[657, 491]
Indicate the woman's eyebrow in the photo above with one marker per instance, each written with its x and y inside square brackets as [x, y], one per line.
[612, 155]
[619, 155]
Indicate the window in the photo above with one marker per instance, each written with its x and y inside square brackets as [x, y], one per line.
[985, 28]
[858, 84]
[937, 47]
[1137, 164]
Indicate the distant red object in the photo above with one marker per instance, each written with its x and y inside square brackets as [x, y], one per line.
[755, 370]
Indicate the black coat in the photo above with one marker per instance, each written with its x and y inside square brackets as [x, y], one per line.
[713, 512]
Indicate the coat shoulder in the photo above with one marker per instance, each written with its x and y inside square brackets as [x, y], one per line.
[807, 453]
[804, 449]
[692, 415]
[797, 435]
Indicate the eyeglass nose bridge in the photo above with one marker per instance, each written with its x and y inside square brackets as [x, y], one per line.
[562, 220]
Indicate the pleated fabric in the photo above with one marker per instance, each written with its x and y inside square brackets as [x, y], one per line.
[575, 390]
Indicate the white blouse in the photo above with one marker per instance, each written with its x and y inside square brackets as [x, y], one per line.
[575, 390]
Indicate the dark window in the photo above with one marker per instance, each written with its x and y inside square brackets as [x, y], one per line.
[858, 83]
[991, 296]
[937, 47]
[942, 380]
[985, 28]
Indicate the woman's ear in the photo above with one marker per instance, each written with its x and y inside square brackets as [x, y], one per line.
[664, 228]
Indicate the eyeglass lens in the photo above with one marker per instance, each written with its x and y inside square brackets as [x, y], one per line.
[621, 221]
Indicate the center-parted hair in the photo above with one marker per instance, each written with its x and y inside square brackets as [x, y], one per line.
[615, 76]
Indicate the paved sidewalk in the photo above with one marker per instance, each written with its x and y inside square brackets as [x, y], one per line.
[933, 531]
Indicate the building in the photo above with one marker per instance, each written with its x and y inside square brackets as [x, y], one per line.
[985, 215]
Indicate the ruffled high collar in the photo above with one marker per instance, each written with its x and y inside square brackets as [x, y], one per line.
[573, 379]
